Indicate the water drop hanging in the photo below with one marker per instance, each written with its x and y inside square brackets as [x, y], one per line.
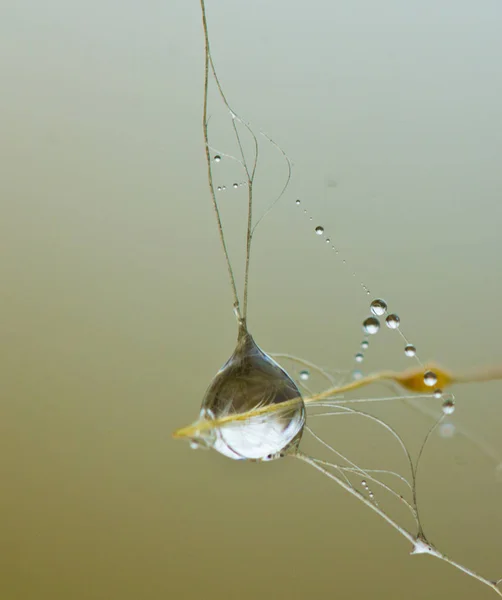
[392, 321]
[378, 307]
[371, 325]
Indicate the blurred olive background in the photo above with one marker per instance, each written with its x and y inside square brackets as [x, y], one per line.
[116, 311]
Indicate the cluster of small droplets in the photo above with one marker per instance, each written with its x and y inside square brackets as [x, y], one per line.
[371, 495]
[371, 325]
[222, 188]
[319, 230]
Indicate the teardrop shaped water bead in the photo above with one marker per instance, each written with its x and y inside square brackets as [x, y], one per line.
[378, 307]
[248, 380]
[371, 325]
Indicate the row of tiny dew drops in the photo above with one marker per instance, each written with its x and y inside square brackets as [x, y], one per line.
[371, 326]
[235, 185]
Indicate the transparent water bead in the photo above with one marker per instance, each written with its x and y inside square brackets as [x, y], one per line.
[378, 307]
[217, 158]
[410, 350]
[448, 406]
[393, 321]
[364, 344]
[359, 357]
[319, 230]
[430, 378]
[371, 325]
[304, 375]
[251, 379]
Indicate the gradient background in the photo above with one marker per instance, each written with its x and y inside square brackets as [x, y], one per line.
[116, 311]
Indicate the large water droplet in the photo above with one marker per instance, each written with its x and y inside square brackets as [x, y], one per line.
[319, 230]
[378, 307]
[392, 321]
[371, 325]
[304, 375]
[410, 350]
[430, 378]
[251, 379]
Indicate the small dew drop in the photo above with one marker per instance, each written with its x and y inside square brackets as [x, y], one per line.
[410, 350]
[219, 188]
[194, 445]
[364, 484]
[430, 378]
[378, 307]
[236, 185]
[371, 495]
[319, 230]
[438, 393]
[217, 158]
[371, 325]
[364, 344]
[393, 321]
[448, 407]
[297, 202]
[304, 375]
[328, 240]
[357, 374]
[359, 357]
[224, 188]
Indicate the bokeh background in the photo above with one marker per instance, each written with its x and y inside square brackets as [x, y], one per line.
[116, 311]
